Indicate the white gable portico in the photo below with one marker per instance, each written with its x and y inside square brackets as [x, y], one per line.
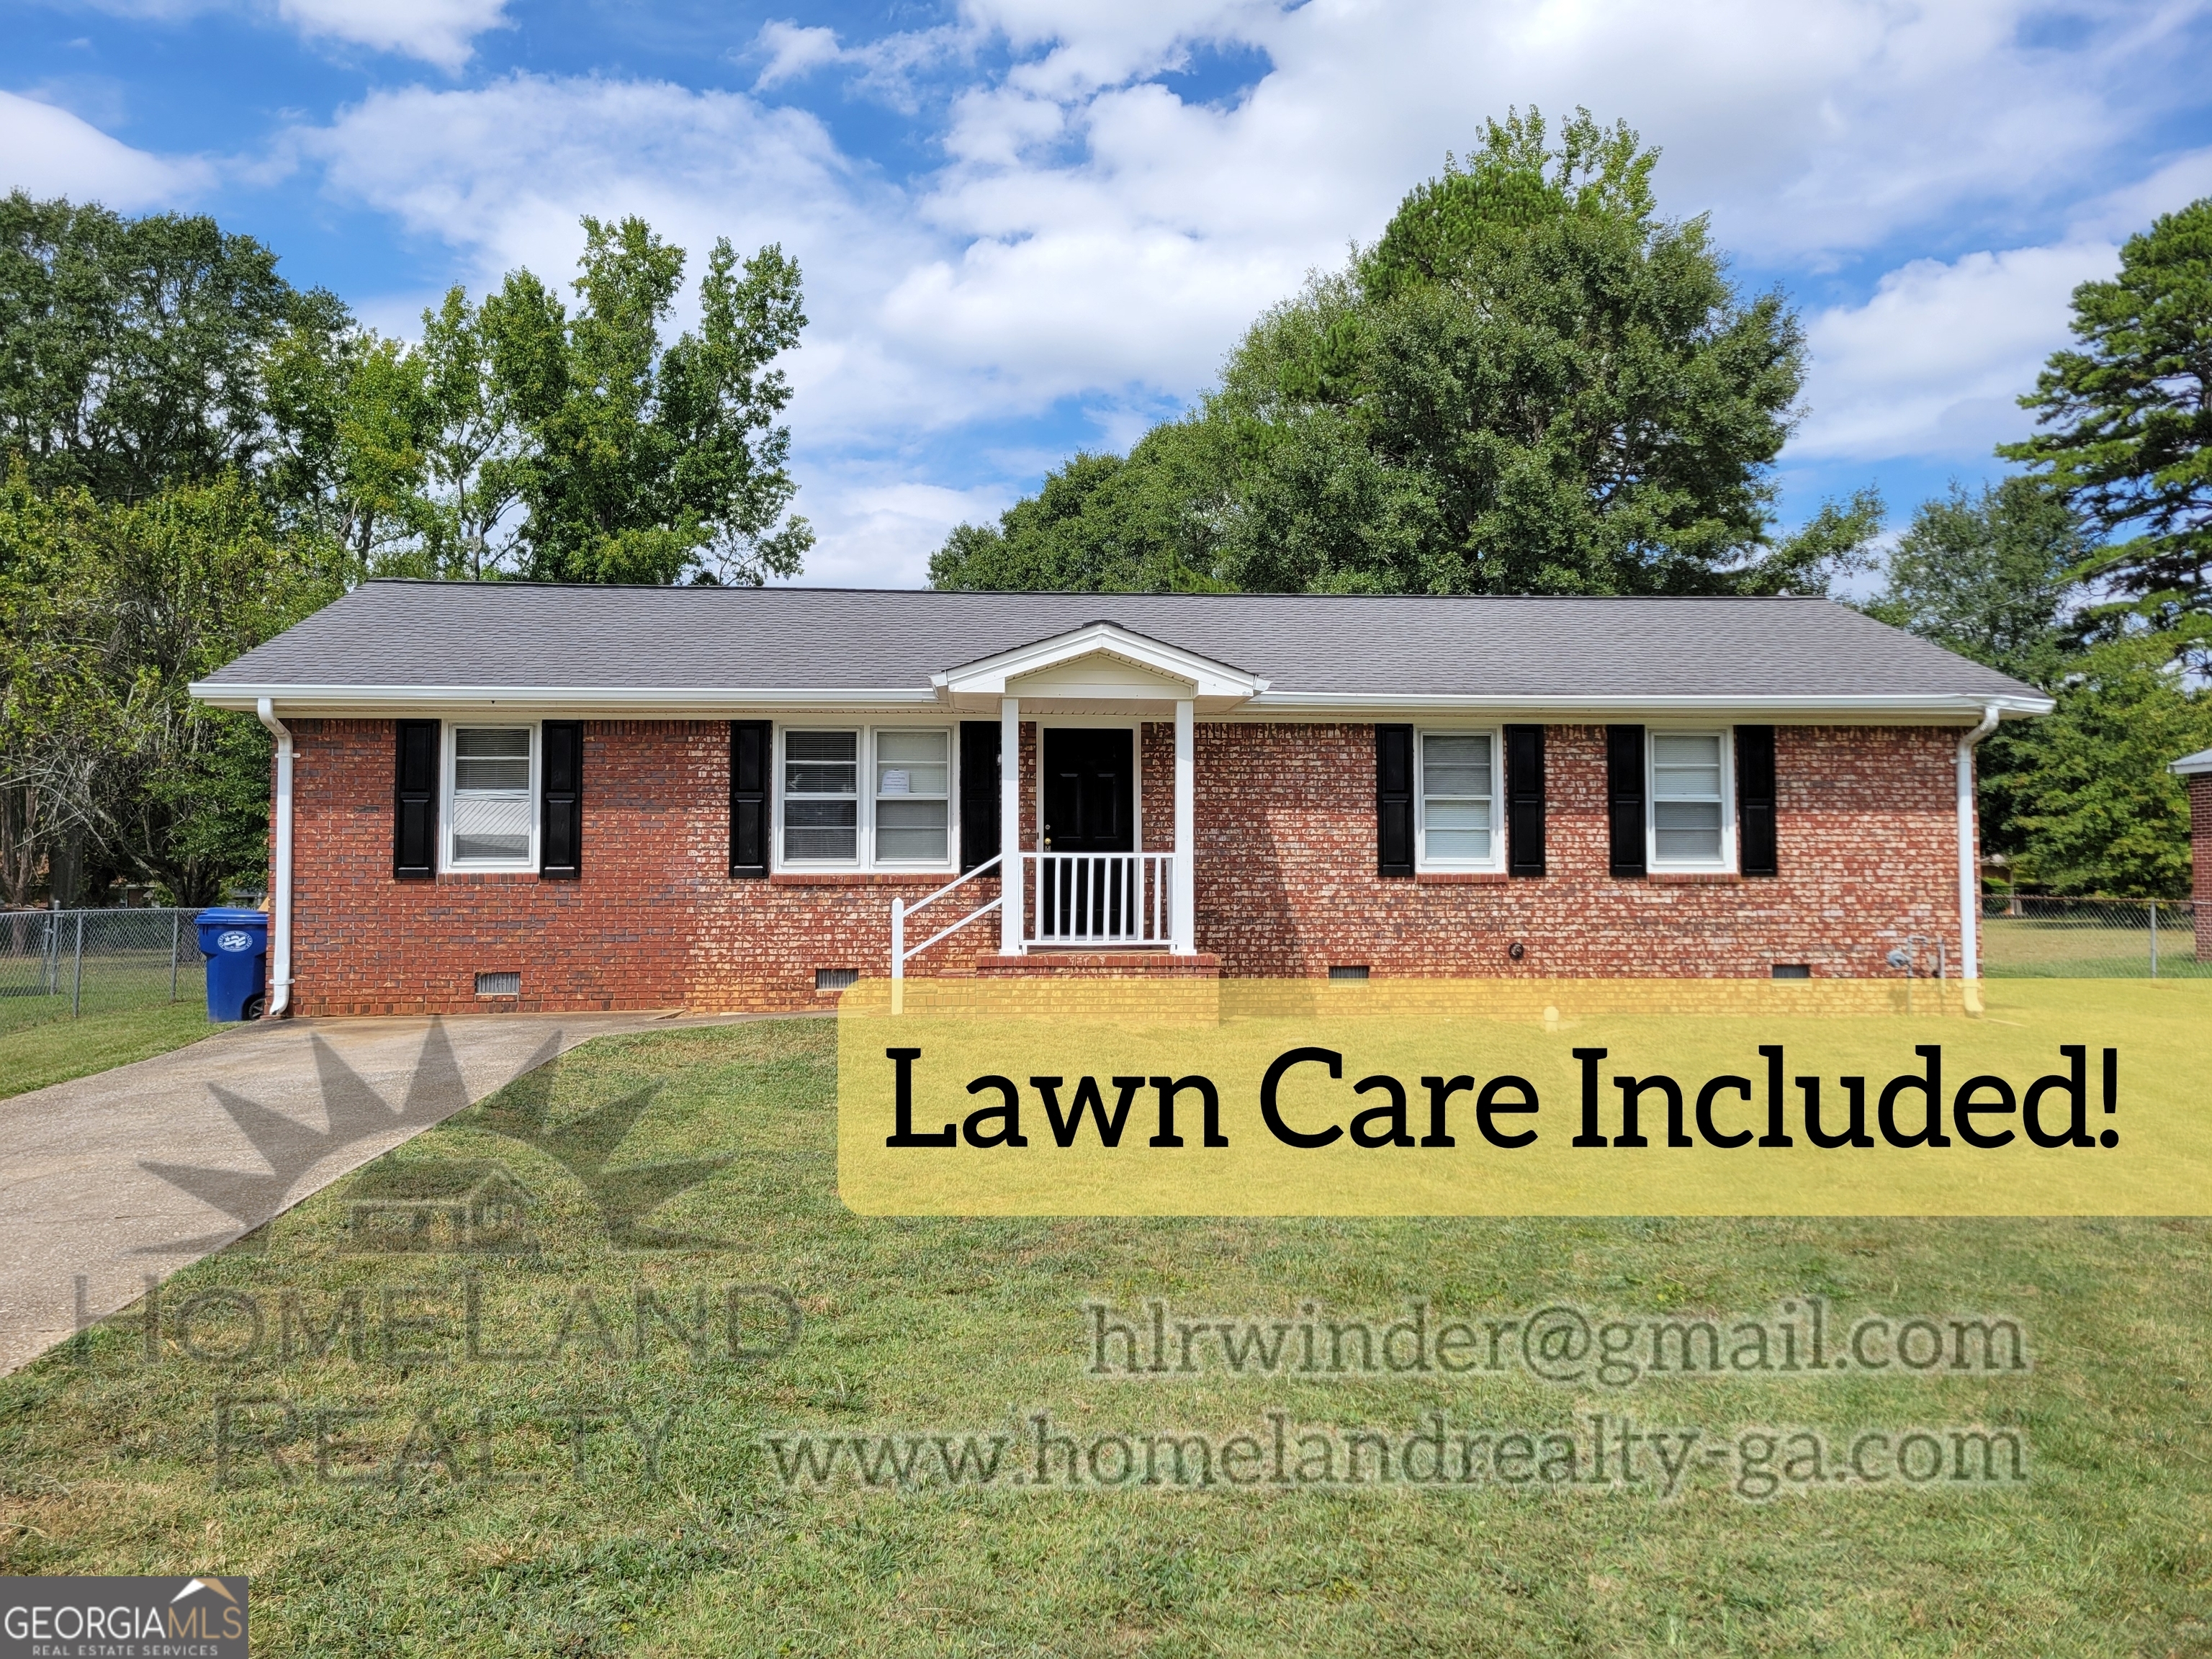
[1098, 670]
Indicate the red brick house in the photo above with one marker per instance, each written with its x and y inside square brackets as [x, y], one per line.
[2196, 768]
[505, 795]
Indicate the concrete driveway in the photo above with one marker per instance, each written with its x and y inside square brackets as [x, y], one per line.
[146, 1169]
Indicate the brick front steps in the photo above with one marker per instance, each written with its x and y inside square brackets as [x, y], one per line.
[1099, 964]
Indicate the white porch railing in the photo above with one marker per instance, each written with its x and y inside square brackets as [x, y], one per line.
[902, 912]
[1087, 900]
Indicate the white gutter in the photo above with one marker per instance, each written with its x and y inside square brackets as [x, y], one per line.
[1970, 884]
[1856, 706]
[707, 702]
[280, 895]
[679, 701]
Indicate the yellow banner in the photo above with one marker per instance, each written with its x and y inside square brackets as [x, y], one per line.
[1524, 1098]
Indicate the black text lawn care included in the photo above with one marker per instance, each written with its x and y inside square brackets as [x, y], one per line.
[1620, 1106]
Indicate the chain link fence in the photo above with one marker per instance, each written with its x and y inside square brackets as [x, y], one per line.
[2095, 939]
[62, 964]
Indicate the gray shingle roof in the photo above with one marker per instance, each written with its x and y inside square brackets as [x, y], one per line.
[523, 636]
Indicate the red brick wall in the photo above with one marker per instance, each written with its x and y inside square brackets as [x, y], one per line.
[1286, 882]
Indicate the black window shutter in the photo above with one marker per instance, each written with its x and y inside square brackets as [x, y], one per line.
[751, 743]
[1524, 801]
[415, 801]
[1754, 800]
[1393, 800]
[1623, 775]
[979, 793]
[560, 789]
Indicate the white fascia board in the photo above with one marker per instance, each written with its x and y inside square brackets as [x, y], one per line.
[1951, 710]
[988, 677]
[622, 701]
[691, 702]
[2192, 766]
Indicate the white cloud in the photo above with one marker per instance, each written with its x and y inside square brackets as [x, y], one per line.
[885, 69]
[1090, 235]
[440, 32]
[793, 51]
[1931, 366]
[503, 174]
[50, 152]
[874, 534]
[2123, 212]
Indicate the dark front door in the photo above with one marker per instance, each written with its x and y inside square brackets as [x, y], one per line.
[1090, 791]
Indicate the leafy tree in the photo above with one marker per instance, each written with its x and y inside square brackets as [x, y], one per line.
[1532, 383]
[643, 462]
[1993, 576]
[131, 350]
[1150, 524]
[472, 455]
[2092, 805]
[353, 416]
[110, 610]
[2129, 412]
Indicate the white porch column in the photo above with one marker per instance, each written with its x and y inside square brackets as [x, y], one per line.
[1182, 925]
[1010, 912]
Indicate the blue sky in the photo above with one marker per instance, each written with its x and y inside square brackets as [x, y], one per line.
[1028, 226]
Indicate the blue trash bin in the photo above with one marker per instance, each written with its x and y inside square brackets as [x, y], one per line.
[236, 945]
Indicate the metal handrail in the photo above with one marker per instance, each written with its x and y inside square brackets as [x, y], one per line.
[901, 955]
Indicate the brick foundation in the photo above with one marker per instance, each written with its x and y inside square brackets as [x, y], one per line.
[1285, 871]
[1100, 964]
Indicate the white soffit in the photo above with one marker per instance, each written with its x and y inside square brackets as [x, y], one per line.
[1101, 662]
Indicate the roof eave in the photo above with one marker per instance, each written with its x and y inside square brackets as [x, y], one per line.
[1944, 708]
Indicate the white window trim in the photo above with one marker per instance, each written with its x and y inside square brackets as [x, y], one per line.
[1134, 726]
[865, 809]
[1495, 864]
[449, 750]
[1726, 864]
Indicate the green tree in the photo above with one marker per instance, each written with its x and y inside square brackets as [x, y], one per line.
[1532, 383]
[2130, 413]
[1991, 575]
[131, 350]
[353, 418]
[2092, 806]
[471, 453]
[1150, 524]
[642, 462]
[110, 610]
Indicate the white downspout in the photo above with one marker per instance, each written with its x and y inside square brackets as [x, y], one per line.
[1970, 882]
[280, 899]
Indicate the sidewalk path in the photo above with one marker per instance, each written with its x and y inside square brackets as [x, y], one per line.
[150, 1167]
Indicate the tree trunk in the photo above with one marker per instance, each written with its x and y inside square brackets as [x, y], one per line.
[65, 869]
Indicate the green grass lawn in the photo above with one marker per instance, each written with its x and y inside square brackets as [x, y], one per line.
[415, 1500]
[2056, 947]
[32, 1056]
[112, 981]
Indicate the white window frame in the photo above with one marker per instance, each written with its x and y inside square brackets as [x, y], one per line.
[865, 804]
[1726, 864]
[449, 750]
[1495, 864]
